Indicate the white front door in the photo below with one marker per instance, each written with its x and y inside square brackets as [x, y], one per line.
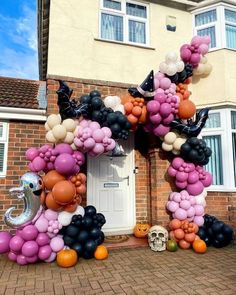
[111, 189]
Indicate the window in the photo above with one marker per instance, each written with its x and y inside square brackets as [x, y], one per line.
[219, 23]
[220, 135]
[3, 148]
[124, 21]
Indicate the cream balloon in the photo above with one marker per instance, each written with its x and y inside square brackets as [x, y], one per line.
[175, 152]
[180, 66]
[110, 101]
[120, 108]
[170, 137]
[76, 130]
[208, 69]
[73, 146]
[69, 138]
[50, 137]
[178, 142]
[163, 67]
[59, 132]
[69, 124]
[167, 147]
[64, 218]
[53, 120]
[171, 57]
[47, 127]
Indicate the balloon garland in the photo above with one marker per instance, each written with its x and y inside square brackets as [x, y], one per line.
[61, 228]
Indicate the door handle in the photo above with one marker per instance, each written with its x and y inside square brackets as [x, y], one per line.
[127, 177]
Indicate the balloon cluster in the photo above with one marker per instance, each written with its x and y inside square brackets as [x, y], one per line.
[48, 223]
[136, 111]
[173, 141]
[182, 91]
[183, 232]
[84, 233]
[114, 102]
[215, 232]
[171, 65]
[194, 150]
[29, 245]
[187, 175]
[58, 131]
[93, 139]
[182, 76]
[183, 206]
[62, 158]
[204, 67]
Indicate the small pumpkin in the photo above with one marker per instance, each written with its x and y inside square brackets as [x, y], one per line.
[101, 252]
[67, 258]
[141, 230]
[199, 246]
[171, 245]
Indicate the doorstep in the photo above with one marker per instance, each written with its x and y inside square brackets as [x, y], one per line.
[131, 242]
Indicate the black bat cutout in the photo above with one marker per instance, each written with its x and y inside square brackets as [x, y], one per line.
[192, 128]
[69, 108]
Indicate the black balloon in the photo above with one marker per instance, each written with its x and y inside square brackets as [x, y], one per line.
[72, 231]
[78, 248]
[87, 222]
[94, 93]
[90, 246]
[191, 128]
[95, 233]
[90, 210]
[68, 240]
[83, 236]
[180, 77]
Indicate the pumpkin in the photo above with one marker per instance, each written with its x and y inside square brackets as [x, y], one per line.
[67, 258]
[101, 252]
[141, 230]
[171, 246]
[186, 109]
[199, 246]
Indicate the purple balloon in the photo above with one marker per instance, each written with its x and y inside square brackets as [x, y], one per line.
[57, 244]
[31, 153]
[199, 220]
[12, 256]
[52, 257]
[153, 106]
[30, 248]
[16, 243]
[42, 239]
[185, 54]
[98, 135]
[5, 238]
[199, 210]
[185, 204]
[38, 164]
[32, 259]
[44, 252]
[168, 119]
[177, 162]
[208, 179]
[195, 58]
[165, 110]
[29, 232]
[21, 259]
[181, 184]
[181, 214]
[165, 83]
[89, 143]
[171, 171]
[64, 164]
[195, 189]
[98, 149]
[155, 118]
[64, 148]
[181, 176]
[51, 215]
[172, 206]
[42, 224]
[193, 177]
[161, 130]
[191, 212]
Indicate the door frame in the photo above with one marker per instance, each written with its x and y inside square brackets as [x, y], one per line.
[132, 192]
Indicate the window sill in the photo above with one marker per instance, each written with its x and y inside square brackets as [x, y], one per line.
[126, 44]
[217, 189]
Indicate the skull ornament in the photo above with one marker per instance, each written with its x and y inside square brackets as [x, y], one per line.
[157, 238]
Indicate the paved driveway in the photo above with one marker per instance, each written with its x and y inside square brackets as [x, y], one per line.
[130, 271]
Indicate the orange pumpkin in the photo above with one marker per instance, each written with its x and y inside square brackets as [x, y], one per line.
[186, 109]
[67, 258]
[141, 230]
[199, 246]
[101, 252]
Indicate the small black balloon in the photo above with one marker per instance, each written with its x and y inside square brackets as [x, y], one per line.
[90, 246]
[217, 244]
[85, 99]
[193, 141]
[88, 255]
[227, 231]
[68, 241]
[90, 210]
[96, 103]
[217, 227]
[202, 233]
[95, 233]
[72, 231]
[115, 128]
[111, 118]
[208, 241]
[87, 222]
[78, 248]
[94, 93]
[82, 236]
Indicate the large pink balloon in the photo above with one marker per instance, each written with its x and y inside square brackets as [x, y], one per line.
[12, 256]
[185, 204]
[181, 214]
[153, 106]
[199, 220]
[30, 248]
[98, 149]
[165, 109]
[57, 244]
[38, 164]
[32, 259]
[191, 212]
[5, 238]
[31, 153]
[89, 143]
[172, 206]
[44, 252]
[195, 189]
[21, 259]
[181, 184]
[208, 179]
[155, 118]
[177, 162]
[16, 243]
[42, 239]
[161, 130]
[193, 177]
[64, 148]
[165, 83]
[199, 210]
[64, 164]
[181, 176]
[52, 257]
[42, 224]
[98, 135]
[50, 214]
[177, 197]
[30, 232]
[171, 171]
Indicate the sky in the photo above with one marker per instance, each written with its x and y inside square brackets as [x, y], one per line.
[18, 39]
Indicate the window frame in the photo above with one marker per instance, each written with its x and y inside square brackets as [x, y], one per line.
[4, 140]
[225, 131]
[220, 24]
[126, 19]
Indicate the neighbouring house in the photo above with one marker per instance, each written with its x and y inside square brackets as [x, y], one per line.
[22, 117]
[110, 45]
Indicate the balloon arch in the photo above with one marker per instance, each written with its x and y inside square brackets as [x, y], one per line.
[54, 225]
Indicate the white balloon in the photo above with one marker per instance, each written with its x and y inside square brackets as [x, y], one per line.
[69, 138]
[73, 146]
[167, 147]
[110, 101]
[171, 57]
[175, 152]
[120, 108]
[53, 120]
[59, 132]
[69, 124]
[64, 218]
[180, 66]
[171, 69]
[178, 142]
[79, 211]
[203, 60]
[50, 137]
[170, 137]
[47, 127]
[208, 69]
[163, 67]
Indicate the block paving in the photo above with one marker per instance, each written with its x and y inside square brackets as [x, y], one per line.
[128, 271]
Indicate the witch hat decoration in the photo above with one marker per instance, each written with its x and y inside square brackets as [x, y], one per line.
[146, 89]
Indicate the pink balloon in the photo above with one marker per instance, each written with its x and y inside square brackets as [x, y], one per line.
[177, 197]
[16, 243]
[181, 214]
[94, 126]
[192, 200]
[84, 123]
[165, 83]
[161, 130]
[64, 164]
[195, 58]
[185, 204]
[64, 148]
[57, 244]
[51, 258]
[181, 184]
[155, 119]
[185, 54]
[42, 239]
[203, 49]
[159, 75]
[21, 259]
[98, 135]
[160, 96]
[156, 83]
[196, 40]
[42, 224]
[153, 106]
[107, 131]
[206, 40]
[31, 153]
[78, 142]
[181, 176]
[44, 252]
[199, 220]
[195, 189]
[177, 162]
[50, 214]
[191, 212]
[172, 206]
[5, 238]
[98, 149]
[193, 177]
[168, 119]
[208, 179]
[32, 259]
[165, 110]
[111, 146]
[12, 256]
[38, 164]
[29, 232]
[199, 210]
[30, 248]
[89, 143]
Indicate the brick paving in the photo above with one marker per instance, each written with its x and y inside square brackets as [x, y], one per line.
[128, 271]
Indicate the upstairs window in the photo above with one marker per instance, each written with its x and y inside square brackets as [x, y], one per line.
[3, 148]
[219, 23]
[124, 21]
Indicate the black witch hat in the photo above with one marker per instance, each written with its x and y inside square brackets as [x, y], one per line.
[146, 89]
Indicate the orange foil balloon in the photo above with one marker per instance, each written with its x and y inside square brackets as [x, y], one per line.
[63, 192]
[51, 178]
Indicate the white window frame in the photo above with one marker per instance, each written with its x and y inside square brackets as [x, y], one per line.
[126, 19]
[219, 23]
[225, 131]
[4, 140]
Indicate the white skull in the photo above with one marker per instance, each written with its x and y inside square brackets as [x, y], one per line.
[157, 238]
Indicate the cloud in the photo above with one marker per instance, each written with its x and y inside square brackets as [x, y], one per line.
[18, 51]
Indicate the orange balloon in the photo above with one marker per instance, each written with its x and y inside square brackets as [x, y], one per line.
[174, 224]
[63, 192]
[184, 245]
[143, 117]
[71, 207]
[199, 246]
[51, 178]
[195, 228]
[78, 199]
[186, 109]
[190, 237]
[82, 177]
[132, 119]
[128, 107]
[197, 237]
[42, 197]
[81, 189]
[179, 233]
[125, 98]
[137, 111]
[51, 204]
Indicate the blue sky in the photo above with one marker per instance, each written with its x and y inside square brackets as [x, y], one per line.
[18, 39]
